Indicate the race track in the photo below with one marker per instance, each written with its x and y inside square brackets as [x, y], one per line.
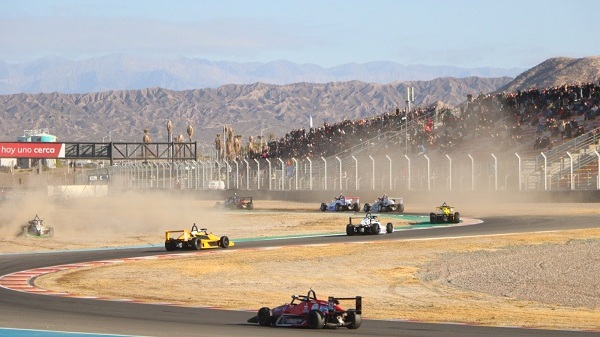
[32, 311]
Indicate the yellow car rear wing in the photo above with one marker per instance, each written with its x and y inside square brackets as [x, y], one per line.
[184, 234]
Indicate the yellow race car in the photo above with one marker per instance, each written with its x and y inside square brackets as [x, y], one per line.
[194, 239]
[444, 214]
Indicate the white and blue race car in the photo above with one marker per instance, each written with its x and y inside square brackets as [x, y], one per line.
[386, 204]
[342, 203]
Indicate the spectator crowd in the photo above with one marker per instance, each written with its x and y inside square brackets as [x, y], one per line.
[556, 113]
[331, 139]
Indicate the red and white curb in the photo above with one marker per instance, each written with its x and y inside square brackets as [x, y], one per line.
[24, 281]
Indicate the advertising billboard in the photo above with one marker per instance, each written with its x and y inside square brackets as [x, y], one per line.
[32, 150]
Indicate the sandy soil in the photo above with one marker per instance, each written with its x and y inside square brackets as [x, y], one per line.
[398, 279]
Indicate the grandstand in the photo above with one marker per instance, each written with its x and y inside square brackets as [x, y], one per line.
[491, 142]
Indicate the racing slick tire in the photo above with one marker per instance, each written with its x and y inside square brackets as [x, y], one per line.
[170, 245]
[356, 207]
[389, 228]
[323, 207]
[217, 204]
[196, 243]
[224, 242]
[316, 319]
[375, 229]
[250, 206]
[432, 218]
[456, 217]
[264, 316]
[354, 319]
[366, 208]
[401, 209]
[350, 230]
[338, 207]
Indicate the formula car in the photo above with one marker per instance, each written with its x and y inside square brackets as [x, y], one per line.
[235, 202]
[368, 225]
[37, 228]
[444, 213]
[342, 203]
[385, 204]
[195, 239]
[306, 311]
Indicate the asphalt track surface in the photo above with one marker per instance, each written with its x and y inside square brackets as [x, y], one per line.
[21, 310]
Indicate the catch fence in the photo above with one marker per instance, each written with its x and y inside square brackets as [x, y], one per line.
[387, 169]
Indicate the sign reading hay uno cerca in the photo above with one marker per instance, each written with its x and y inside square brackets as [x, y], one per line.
[32, 150]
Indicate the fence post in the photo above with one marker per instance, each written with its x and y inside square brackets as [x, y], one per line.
[495, 172]
[237, 175]
[355, 172]
[372, 173]
[164, 174]
[219, 170]
[296, 170]
[519, 168]
[340, 161]
[449, 173]
[325, 182]
[257, 174]
[247, 174]
[268, 161]
[571, 169]
[598, 176]
[226, 172]
[545, 171]
[310, 175]
[408, 170]
[197, 174]
[282, 174]
[390, 160]
[428, 173]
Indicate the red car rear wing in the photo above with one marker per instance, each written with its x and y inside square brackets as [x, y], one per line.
[332, 302]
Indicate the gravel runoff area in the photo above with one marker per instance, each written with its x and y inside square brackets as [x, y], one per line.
[571, 270]
[546, 280]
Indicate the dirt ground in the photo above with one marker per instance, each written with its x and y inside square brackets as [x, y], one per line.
[389, 275]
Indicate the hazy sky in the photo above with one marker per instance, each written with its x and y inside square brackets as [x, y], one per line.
[465, 33]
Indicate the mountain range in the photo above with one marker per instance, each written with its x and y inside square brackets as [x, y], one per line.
[122, 72]
[251, 109]
[557, 71]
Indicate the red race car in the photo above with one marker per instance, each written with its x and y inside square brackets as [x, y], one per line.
[310, 312]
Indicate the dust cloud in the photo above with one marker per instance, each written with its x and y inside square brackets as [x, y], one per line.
[125, 213]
